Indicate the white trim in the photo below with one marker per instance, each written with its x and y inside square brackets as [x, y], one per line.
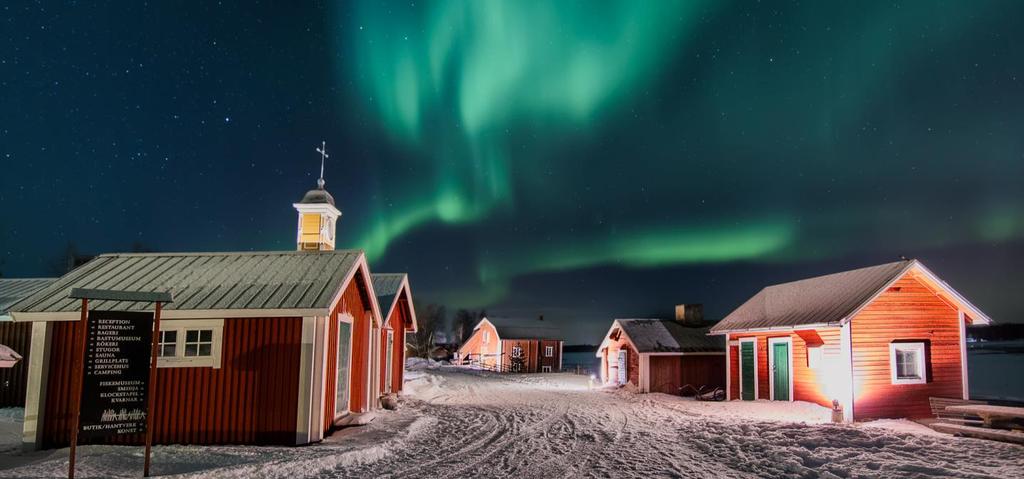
[347, 318]
[561, 356]
[545, 369]
[771, 365]
[552, 351]
[643, 373]
[963, 354]
[303, 416]
[846, 355]
[389, 360]
[319, 378]
[922, 362]
[728, 368]
[773, 329]
[181, 328]
[35, 394]
[757, 394]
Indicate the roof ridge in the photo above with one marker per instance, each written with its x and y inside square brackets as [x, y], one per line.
[822, 276]
[230, 253]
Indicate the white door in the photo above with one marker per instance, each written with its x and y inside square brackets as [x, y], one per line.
[389, 349]
[623, 377]
[341, 398]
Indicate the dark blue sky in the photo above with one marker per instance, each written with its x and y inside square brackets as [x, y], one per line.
[577, 160]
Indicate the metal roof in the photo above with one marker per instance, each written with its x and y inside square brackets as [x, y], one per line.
[205, 281]
[386, 286]
[669, 336]
[524, 328]
[821, 300]
[14, 289]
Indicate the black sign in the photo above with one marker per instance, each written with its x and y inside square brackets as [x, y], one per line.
[116, 374]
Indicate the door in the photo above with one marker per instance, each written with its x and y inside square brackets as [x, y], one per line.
[389, 361]
[341, 398]
[747, 371]
[623, 376]
[780, 370]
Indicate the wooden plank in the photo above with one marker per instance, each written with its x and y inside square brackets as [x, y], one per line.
[980, 432]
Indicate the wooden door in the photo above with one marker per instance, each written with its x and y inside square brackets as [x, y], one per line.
[748, 374]
[389, 362]
[341, 399]
[780, 371]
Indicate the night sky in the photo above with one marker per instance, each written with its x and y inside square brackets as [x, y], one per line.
[584, 160]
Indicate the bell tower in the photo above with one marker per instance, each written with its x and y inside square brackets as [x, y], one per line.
[317, 214]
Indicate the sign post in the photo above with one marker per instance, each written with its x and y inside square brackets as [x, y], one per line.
[115, 369]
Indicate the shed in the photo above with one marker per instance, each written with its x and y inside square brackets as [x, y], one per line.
[878, 340]
[395, 300]
[15, 340]
[527, 345]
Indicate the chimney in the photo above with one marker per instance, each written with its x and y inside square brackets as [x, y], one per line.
[690, 314]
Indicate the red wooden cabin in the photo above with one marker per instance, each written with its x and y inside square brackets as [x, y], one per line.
[17, 337]
[513, 345]
[879, 340]
[395, 300]
[662, 355]
[257, 348]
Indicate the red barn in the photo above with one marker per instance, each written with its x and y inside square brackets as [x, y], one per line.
[662, 355]
[257, 348]
[879, 340]
[513, 345]
[395, 300]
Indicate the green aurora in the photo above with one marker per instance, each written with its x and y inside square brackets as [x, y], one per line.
[648, 134]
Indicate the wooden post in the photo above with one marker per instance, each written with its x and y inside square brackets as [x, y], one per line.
[152, 388]
[76, 383]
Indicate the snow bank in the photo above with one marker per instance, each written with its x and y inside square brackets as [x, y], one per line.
[10, 429]
[419, 364]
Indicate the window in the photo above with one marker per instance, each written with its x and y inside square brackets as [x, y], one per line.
[487, 336]
[813, 356]
[190, 343]
[168, 344]
[517, 352]
[907, 363]
[545, 369]
[549, 351]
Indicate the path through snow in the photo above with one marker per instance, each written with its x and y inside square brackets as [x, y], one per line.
[457, 423]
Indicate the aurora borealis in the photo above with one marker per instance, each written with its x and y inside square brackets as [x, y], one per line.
[584, 160]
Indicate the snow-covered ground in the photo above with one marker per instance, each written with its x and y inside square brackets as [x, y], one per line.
[460, 423]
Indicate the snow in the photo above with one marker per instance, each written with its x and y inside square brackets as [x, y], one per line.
[454, 422]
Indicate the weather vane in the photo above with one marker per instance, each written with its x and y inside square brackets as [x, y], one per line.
[323, 157]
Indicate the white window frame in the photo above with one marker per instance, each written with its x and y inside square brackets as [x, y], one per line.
[545, 369]
[549, 351]
[922, 362]
[181, 326]
[517, 351]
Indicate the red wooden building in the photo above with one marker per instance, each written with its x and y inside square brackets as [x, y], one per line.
[513, 345]
[395, 300]
[879, 340]
[256, 348]
[16, 337]
[662, 355]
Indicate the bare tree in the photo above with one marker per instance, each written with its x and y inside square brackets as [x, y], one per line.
[430, 318]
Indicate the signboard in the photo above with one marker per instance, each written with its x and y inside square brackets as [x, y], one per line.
[116, 374]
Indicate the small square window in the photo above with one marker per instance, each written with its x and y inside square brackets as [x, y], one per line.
[167, 348]
[198, 343]
[549, 351]
[908, 363]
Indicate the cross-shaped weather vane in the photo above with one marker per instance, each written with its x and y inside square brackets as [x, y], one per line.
[323, 158]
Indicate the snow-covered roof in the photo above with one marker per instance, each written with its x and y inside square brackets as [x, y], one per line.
[828, 299]
[13, 290]
[8, 357]
[668, 336]
[282, 280]
[523, 328]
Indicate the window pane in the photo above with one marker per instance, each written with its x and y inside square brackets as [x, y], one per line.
[191, 350]
[168, 336]
[168, 350]
[206, 335]
[204, 349]
[192, 336]
[906, 364]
